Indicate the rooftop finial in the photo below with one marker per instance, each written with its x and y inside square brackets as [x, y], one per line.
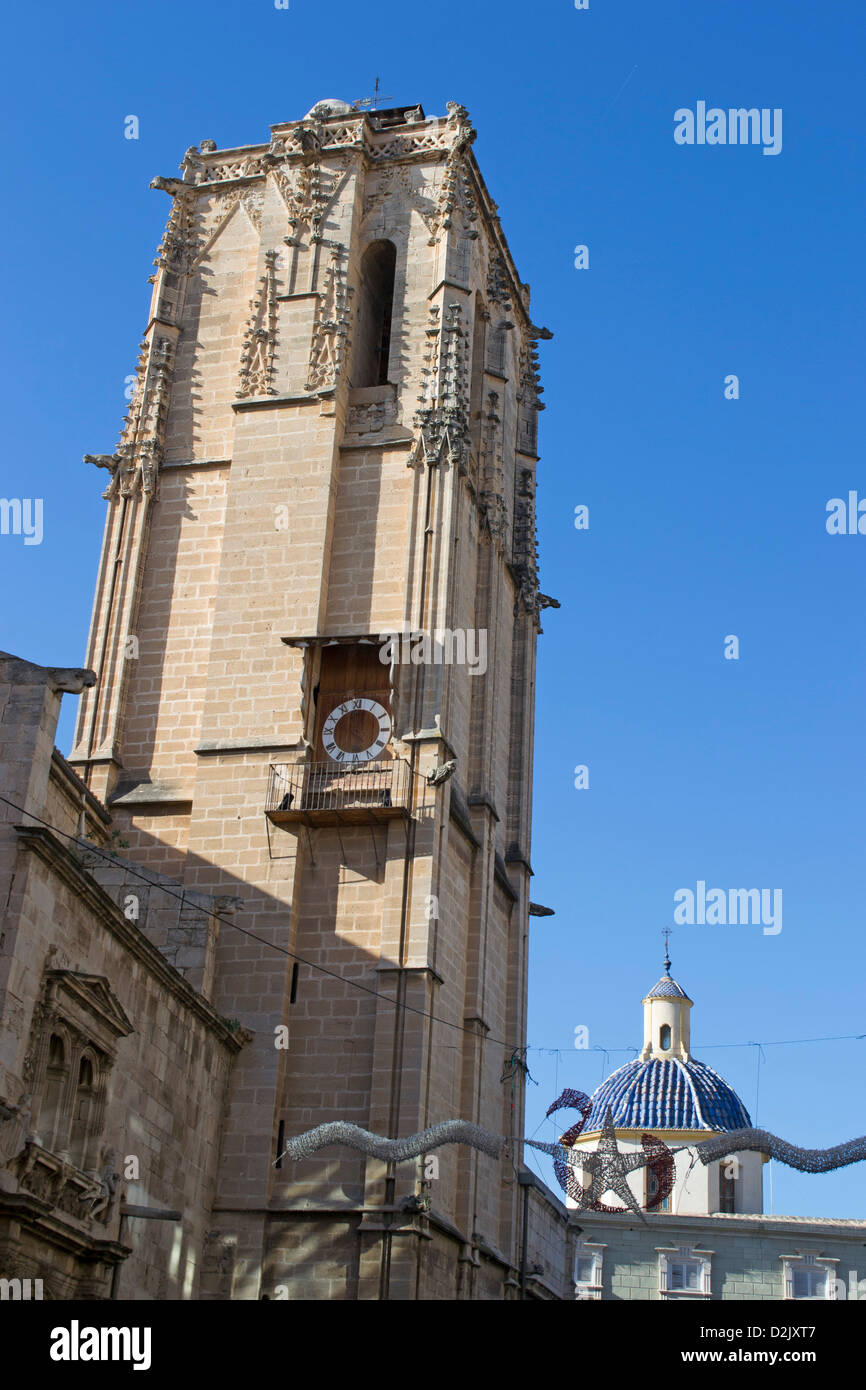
[371, 103]
[667, 934]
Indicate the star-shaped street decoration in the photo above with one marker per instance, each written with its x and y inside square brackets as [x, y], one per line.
[607, 1166]
[609, 1169]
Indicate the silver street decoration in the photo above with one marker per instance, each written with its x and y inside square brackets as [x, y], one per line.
[394, 1150]
[607, 1166]
[762, 1141]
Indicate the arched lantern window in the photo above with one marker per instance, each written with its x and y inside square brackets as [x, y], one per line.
[375, 310]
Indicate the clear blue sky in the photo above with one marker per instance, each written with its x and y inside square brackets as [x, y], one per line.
[707, 516]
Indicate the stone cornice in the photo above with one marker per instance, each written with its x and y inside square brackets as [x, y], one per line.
[261, 744]
[277, 402]
[38, 1216]
[501, 877]
[741, 1223]
[459, 816]
[76, 788]
[390, 967]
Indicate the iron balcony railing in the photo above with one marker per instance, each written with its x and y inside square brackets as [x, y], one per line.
[326, 791]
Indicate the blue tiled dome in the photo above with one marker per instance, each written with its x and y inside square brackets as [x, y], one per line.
[667, 989]
[658, 1094]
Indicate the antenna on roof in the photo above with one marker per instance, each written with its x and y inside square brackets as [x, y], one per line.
[372, 102]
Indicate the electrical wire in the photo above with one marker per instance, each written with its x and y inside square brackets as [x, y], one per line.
[711, 1047]
[135, 872]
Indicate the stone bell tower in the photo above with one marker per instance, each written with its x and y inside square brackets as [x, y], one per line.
[314, 632]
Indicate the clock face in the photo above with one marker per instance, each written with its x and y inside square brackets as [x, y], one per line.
[356, 731]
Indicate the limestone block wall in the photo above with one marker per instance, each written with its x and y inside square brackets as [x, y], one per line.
[169, 665]
[551, 1243]
[215, 308]
[168, 1082]
[163, 1105]
[264, 491]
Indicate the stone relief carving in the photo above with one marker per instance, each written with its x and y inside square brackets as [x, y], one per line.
[215, 217]
[83, 1195]
[397, 181]
[15, 1130]
[402, 145]
[180, 241]
[134, 467]
[497, 283]
[331, 326]
[491, 501]
[442, 416]
[260, 338]
[306, 191]
[525, 545]
[528, 393]
[456, 194]
[371, 417]
[429, 367]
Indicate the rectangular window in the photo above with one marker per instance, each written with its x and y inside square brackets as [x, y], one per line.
[652, 1191]
[685, 1275]
[810, 1283]
[588, 1263]
[727, 1190]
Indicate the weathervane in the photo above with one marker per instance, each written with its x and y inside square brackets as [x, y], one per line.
[372, 102]
[667, 933]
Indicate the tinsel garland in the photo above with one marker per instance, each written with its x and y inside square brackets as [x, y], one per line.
[571, 1100]
[394, 1150]
[762, 1141]
[606, 1165]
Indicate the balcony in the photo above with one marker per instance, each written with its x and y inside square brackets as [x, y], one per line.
[328, 794]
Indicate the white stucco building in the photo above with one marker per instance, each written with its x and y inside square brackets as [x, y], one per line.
[708, 1237]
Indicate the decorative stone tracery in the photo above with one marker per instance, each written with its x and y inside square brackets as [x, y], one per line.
[456, 193]
[491, 500]
[134, 468]
[260, 338]
[331, 327]
[442, 416]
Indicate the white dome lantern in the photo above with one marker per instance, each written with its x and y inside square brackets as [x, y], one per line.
[666, 1031]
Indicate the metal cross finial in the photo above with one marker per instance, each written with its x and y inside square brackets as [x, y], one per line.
[372, 102]
[667, 933]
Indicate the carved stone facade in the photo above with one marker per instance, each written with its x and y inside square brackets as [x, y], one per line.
[113, 1067]
[333, 437]
[260, 338]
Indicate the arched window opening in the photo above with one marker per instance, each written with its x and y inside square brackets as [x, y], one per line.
[55, 1086]
[665, 1037]
[83, 1112]
[728, 1185]
[651, 1192]
[375, 309]
[497, 348]
[479, 335]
